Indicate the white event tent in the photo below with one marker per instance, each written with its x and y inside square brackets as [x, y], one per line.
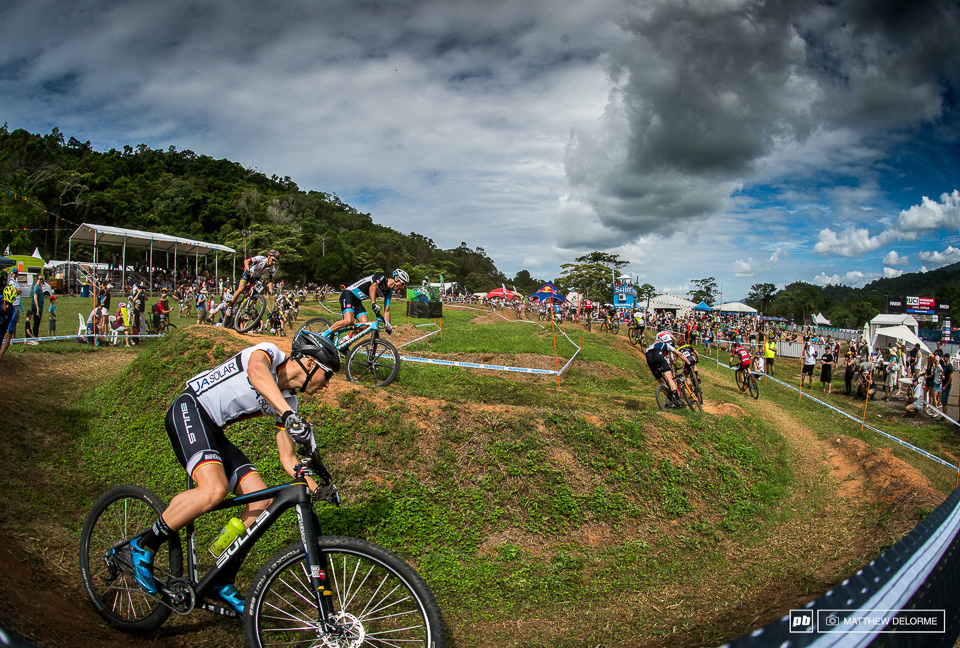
[734, 307]
[97, 235]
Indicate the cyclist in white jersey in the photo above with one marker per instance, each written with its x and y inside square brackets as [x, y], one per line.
[256, 268]
[258, 381]
[351, 299]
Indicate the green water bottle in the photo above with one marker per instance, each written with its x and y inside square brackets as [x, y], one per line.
[230, 533]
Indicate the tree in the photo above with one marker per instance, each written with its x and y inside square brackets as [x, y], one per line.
[706, 291]
[645, 293]
[761, 296]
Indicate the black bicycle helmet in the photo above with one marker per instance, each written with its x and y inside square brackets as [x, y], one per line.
[319, 348]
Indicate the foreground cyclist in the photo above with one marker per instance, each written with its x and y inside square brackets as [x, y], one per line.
[260, 380]
[351, 299]
[661, 367]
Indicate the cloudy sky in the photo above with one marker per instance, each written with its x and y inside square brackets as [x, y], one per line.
[751, 141]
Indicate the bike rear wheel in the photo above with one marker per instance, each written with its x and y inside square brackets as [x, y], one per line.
[753, 386]
[250, 313]
[614, 327]
[314, 325]
[663, 396]
[373, 362]
[377, 600]
[120, 514]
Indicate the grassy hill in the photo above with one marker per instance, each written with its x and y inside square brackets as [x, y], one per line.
[542, 514]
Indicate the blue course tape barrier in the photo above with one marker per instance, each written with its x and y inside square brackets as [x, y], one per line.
[852, 418]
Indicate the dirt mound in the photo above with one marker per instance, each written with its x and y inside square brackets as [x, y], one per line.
[900, 490]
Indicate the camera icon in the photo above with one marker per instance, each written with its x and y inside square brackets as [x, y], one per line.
[832, 620]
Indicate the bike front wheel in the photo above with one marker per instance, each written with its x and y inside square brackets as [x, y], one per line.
[120, 514]
[695, 386]
[753, 386]
[249, 314]
[614, 327]
[634, 335]
[739, 376]
[314, 325]
[690, 398]
[374, 362]
[376, 599]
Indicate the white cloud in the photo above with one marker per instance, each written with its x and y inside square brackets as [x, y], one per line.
[891, 272]
[852, 242]
[940, 259]
[853, 278]
[892, 258]
[743, 268]
[932, 215]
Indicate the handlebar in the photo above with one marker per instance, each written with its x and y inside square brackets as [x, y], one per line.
[312, 465]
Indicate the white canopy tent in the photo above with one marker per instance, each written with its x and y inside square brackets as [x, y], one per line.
[669, 302]
[888, 320]
[820, 320]
[105, 235]
[734, 307]
[885, 334]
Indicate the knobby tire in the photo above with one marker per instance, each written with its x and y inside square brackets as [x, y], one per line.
[663, 396]
[753, 386]
[314, 325]
[250, 313]
[376, 598]
[374, 361]
[120, 514]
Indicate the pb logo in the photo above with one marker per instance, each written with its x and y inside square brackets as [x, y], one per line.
[801, 621]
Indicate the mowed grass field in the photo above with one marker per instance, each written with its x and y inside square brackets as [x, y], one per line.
[542, 512]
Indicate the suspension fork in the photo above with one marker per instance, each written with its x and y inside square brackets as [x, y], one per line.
[317, 566]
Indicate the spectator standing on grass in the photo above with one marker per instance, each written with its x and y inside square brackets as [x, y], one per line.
[770, 351]
[826, 371]
[947, 381]
[849, 369]
[929, 373]
[36, 303]
[893, 375]
[52, 316]
[809, 362]
[139, 299]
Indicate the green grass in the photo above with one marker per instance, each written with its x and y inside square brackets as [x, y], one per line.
[516, 497]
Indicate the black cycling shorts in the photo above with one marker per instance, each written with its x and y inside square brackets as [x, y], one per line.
[197, 440]
[657, 362]
[350, 302]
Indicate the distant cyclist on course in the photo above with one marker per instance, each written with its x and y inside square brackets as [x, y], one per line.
[740, 358]
[259, 381]
[256, 268]
[351, 299]
[660, 366]
[9, 316]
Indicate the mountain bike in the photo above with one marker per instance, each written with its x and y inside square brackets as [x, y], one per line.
[635, 333]
[610, 325]
[320, 591]
[693, 383]
[666, 399]
[374, 361]
[746, 381]
[251, 308]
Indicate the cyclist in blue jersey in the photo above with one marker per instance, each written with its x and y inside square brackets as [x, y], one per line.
[351, 299]
[656, 355]
[9, 316]
[259, 381]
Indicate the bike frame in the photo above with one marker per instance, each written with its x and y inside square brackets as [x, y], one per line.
[349, 334]
[296, 495]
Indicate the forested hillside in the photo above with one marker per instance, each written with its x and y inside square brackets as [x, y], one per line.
[51, 183]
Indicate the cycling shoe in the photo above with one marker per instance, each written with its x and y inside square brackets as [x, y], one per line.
[142, 562]
[230, 595]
